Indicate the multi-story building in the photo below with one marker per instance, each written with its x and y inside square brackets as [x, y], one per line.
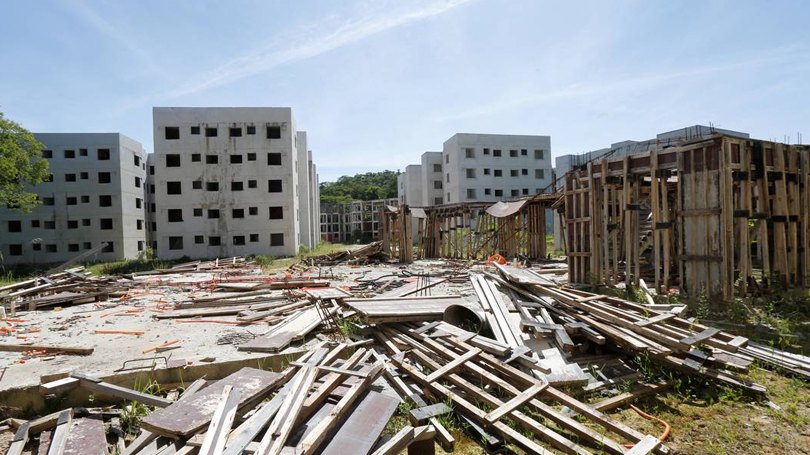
[565, 163]
[431, 179]
[495, 167]
[409, 185]
[352, 221]
[95, 195]
[231, 181]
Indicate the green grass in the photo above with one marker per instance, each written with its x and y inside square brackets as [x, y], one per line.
[270, 263]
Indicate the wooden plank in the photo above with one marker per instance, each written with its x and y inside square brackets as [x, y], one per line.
[86, 437]
[364, 426]
[19, 440]
[397, 442]
[280, 428]
[60, 434]
[627, 397]
[645, 446]
[655, 320]
[420, 416]
[186, 417]
[318, 434]
[58, 386]
[454, 365]
[700, 336]
[98, 386]
[330, 383]
[286, 332]
[244, 434]
[515, 402]
[221, 422]
[447, 441]
[47, 348]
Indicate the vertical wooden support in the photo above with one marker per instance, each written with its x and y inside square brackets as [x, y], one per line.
[656, 217]
[628, 223]
[726, 221]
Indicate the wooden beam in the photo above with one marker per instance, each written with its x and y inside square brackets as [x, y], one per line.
[61, 432]
[99, 386]
[516, 402]
[19, 440]
[221, 423]
[318, 434]
[454, 365]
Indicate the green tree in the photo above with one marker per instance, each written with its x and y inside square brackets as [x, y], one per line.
[361, 187]
[21, 166]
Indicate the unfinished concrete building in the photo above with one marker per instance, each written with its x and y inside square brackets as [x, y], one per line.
[352, 221]
[431, 179]
[231, 181]
[495, 167]
[95, 195]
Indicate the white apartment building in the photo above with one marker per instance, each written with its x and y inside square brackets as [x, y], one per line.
[95, 194]
[495, 167]
[431, 179]
[409, 185]
[231, 181]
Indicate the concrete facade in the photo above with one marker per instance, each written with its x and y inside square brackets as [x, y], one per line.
[431, 179]
[97, 194]
[410, 185]
[352, 221]
[227, 182]
[565, 163]
[495, 167]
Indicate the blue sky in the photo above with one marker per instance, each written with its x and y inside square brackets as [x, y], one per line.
[376, 83]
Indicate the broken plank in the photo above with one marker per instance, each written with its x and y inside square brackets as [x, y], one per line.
[101, 387]
[700, 336]
[221, 422]
[322, 429]
[420, 416]
[47, 348]
[645, 446]
[60, 434]
[364, 426]
[19, 440]
[284, 333]
[86, 437]
[186, 417]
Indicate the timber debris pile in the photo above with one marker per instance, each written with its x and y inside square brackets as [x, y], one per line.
[326, 356]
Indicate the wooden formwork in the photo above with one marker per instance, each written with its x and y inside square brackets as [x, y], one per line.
[479, 230]
[395, 232]
[703, 216]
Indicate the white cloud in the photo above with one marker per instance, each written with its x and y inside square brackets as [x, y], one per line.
[114, 32]
[311, 43]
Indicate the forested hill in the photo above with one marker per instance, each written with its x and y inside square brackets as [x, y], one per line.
[364, 187]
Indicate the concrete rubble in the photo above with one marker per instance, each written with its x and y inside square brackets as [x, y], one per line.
[220, 357]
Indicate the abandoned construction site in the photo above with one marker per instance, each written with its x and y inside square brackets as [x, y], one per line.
[459, 328]
[415, 227]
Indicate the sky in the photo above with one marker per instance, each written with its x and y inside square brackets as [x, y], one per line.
[375, 83]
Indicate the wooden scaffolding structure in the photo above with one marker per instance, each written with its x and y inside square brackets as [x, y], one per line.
[702, 216]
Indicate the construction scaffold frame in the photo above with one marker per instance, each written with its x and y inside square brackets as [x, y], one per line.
[704, 216]
[473, 230]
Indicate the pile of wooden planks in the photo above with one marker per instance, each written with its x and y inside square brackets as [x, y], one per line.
[71, 286]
